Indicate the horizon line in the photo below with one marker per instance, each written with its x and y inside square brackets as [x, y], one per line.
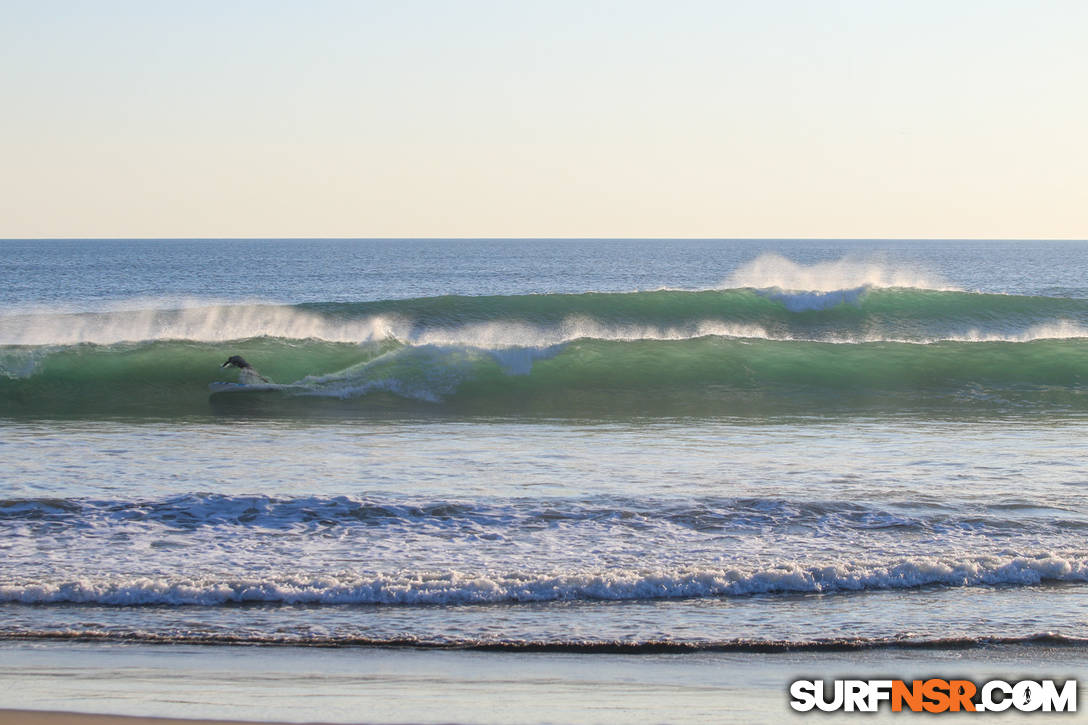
[544, 238]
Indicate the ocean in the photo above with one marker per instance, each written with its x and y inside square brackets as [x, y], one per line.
[580, 448]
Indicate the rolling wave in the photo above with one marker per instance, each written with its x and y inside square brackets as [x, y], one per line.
[305, 515]
[667, 352]
[495, 587]
[860, 314]
[705, 375]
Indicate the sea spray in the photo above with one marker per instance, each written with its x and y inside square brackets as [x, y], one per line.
[858, 314]
[773, 271]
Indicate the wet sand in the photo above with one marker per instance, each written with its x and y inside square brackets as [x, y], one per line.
[34, 717]
[356, 685]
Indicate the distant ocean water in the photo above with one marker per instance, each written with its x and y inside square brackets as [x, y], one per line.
[585, 445]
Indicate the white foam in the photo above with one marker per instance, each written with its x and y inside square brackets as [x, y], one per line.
[1057, 330]
[222, 323]
[773, 271]
[515, 343]
[456, 587]
[504, 335]
[215, 323]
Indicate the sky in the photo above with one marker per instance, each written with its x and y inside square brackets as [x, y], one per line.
[544, 118]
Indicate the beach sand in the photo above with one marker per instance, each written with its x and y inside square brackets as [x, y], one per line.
[355, 685]
[32, 717]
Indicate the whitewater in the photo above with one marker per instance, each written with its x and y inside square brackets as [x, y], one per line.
[576, 445]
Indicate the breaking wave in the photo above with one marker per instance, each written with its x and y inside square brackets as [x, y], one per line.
[453, 587]
[854, 333]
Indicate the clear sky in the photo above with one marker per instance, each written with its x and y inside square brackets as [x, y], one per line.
[546, 118]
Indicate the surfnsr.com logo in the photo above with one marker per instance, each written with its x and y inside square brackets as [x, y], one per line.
[934, 695]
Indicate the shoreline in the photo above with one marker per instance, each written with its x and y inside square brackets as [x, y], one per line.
[190, 685]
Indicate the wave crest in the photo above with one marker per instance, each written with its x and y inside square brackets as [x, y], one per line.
[773, 271]
[453, 587]
[212, 323]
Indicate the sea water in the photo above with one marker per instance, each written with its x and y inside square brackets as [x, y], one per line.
[570, 446]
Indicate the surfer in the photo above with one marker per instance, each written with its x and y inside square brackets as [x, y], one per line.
[247, 372]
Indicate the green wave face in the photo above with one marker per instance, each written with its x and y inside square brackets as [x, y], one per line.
[701, 376]
[668, 352]
[159, 379]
